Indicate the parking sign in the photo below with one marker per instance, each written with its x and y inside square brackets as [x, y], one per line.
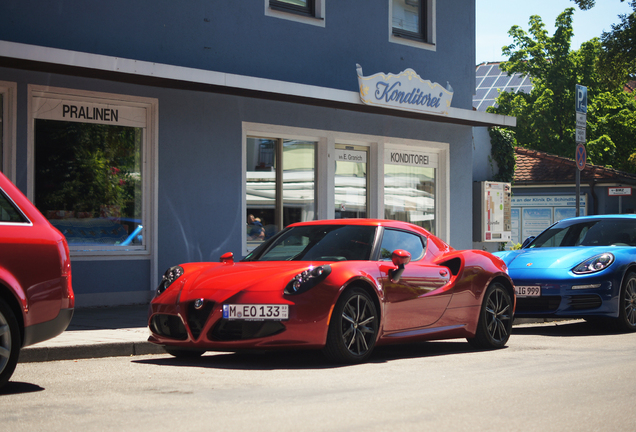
[581, 99]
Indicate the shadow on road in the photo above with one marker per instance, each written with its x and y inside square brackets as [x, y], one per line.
[565, 329]
[273, 360]
[13, 387]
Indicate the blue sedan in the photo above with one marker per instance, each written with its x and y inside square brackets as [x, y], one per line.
[582, 267]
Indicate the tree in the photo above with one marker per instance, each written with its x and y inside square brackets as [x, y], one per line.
[546, 119]
[618, 58]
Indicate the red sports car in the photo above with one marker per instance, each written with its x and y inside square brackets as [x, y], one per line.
[343, 286]
[36, 297]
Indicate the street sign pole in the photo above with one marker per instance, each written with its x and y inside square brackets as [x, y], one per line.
[580, 107]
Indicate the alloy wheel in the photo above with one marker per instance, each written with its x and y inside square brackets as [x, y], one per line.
[358, 329]
[498, 315]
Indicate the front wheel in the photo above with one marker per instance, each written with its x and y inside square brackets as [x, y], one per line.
[9, 342]
[626, 320]
[353, 328]
[495, 319]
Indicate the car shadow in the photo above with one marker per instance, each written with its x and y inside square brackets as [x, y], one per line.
[13, 387]
[564, 329]
[309, 359]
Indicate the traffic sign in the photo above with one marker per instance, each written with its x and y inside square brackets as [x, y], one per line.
[581, 99]
[581, 156]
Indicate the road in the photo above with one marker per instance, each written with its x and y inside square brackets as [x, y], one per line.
[552, 377]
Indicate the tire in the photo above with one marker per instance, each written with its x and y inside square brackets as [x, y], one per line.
[626, 321]
[353, 329]
[184, 353]
[9, 342]
[495, 319]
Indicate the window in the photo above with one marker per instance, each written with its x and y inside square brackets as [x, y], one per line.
[413, 20]
[7, 128]
[9, 212]
[304, 7]
[395, 239]
[92, 167]
[1, 131]
[409, 188]
[304, 11]
[280, 186]
[351, 182]
[88, 181]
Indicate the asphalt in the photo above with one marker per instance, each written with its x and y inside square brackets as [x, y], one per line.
[98, 332]
[113, 331]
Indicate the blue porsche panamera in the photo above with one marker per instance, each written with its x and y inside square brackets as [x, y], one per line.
[582, 267]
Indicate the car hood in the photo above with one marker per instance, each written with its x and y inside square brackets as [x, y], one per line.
[557, 257]
[230, 279]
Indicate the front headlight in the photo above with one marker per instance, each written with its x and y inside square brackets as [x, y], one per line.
[307, 279]
[171, 275]
[594, 264]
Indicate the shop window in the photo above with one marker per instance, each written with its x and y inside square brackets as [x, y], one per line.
[303, 7]
[1, 131]
[88, 182]
[413, 19]
[409, 188]
[92, 168]
[280, 185]
[351, 182]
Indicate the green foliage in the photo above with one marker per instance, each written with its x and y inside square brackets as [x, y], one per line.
[618, 58]
[503, 152]
[546, 119]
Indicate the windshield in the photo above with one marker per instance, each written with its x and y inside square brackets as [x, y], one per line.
[318, 243]
[596, 232]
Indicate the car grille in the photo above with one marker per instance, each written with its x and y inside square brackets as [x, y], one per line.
[540, 304]
[239, 330]
[198, 317]
[169, 326]
[585, 302]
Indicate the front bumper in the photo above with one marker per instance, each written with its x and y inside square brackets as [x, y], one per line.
[572, 297]
[182, 325]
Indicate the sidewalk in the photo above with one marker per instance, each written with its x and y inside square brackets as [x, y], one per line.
[107, 332]
[97, 332]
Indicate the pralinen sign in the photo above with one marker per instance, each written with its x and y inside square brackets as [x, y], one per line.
[405, 91]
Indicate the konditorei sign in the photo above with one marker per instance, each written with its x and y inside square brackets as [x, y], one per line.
[405, 91]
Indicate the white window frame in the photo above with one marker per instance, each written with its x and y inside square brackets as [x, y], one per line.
[317, 20]
[149, 165]
[431, 28]
[325, 169]
[8, 128]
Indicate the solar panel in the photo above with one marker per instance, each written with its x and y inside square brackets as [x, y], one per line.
[490, 80]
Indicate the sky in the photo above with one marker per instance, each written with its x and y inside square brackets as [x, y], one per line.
[495, 17]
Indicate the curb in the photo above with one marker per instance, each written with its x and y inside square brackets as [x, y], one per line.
[118, 349]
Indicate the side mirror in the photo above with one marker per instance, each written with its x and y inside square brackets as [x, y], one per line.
[527, 241]
[400, 258]
[227, 258]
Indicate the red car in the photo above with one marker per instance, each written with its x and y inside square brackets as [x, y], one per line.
[342, 286]
[36, 297]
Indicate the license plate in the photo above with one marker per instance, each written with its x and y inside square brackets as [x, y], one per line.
[528, 291]
[256, 312]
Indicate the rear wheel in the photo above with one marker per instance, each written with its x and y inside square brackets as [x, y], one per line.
[626, 320]
[183, 352]
[9, 342]
[353, 328]
[495, 319]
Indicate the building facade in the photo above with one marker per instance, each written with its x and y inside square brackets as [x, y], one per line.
[156, 133]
